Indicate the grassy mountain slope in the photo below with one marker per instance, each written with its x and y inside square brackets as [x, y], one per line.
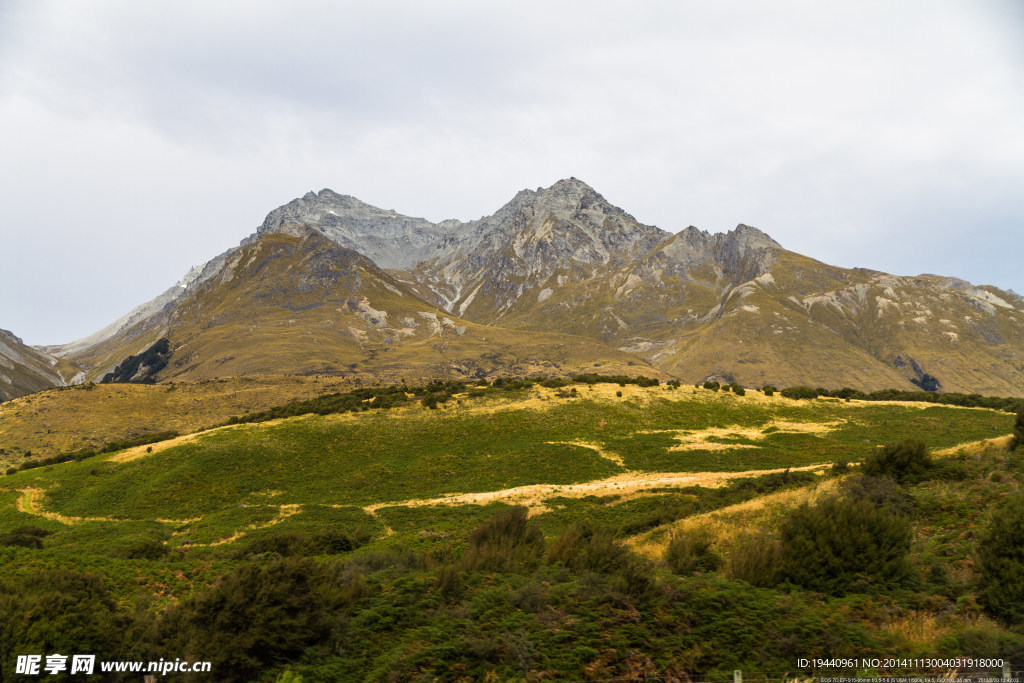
[776, 317]
[380, 522]
[56, 421]
[24, 369]
[300, 304]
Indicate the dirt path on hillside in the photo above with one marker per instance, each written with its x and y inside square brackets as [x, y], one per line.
[697, 439]
[533, 495]
[607, 455]
[284, 513]
[976, 446]
[31, 500]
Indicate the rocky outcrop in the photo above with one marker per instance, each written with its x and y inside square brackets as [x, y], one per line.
[24, 369]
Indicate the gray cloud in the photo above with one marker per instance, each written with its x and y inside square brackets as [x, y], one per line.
[141, 138]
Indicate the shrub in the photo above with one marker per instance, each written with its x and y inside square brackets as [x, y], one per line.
[25, 537]
[844, 546]
[754, 558]
[326, 541]
[146, 549]
[738, 390]
[20, 541]
[847, 393]
[449, 582]
[142, 367]
[58, 610]
[505, 541]
[583, 549]
[1018, 431]
[882, 492]
[335, 541]
[800, 392]
[986, 640]
[906, 462]
[713, 386]
[251, 619]
[769, 390]
[927, 382]
[690, 551]
[1001, 556]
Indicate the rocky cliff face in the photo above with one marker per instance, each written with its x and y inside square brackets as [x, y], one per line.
[23, 369]
[564, 260]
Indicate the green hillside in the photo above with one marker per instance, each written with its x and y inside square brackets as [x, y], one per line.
[581, 531]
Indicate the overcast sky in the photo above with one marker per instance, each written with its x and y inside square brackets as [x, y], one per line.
[140, 138]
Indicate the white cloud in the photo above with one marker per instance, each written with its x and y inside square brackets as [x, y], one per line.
[151, 136]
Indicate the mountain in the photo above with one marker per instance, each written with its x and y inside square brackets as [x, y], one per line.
[299, 303]
[23, 369]
[559, 280]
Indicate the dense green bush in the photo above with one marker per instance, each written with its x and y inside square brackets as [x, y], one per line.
[841, 546]
[582, 548]
[623, 380]
[927, 382]
[1005, 403]
[800, 392]
[985, 641]
[880, 492]
[1018, 431]
[146, 549]
[690, 551]
[142, 367]
[755, 558]
[512, 384]
[25, 537]
[847, 393]
[61, 611]
[504, 542]
[327, 541]
[252, 619]
[906, 462]
[1001, 556]
[769, 390]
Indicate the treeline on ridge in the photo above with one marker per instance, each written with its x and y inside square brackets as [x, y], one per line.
[1004, 403]
[83, 453]
[430, 395]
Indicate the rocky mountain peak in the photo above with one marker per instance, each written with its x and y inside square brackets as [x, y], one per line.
[746, 237]
[7, 335]
[568, 187]
[567, 197]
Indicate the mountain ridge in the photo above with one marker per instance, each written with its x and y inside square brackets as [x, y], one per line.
[563, 259]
